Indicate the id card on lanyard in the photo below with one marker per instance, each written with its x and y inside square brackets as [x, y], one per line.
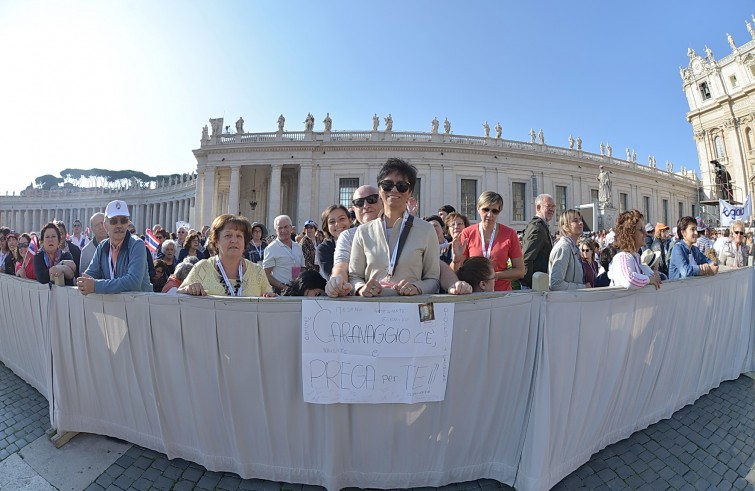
[295, 270]
[234, 293]
[393, 256]
[486, 252]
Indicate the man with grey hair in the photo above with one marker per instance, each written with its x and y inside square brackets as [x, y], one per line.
[537, 242]
[284, 258]
[97, 226]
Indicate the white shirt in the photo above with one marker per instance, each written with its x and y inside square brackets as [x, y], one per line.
[283, 260]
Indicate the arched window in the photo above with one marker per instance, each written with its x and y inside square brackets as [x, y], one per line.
[719, 143]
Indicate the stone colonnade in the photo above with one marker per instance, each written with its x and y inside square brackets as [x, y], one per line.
[27, 215]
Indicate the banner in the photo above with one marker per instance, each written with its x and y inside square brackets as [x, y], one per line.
[729, 213]
[369, 352]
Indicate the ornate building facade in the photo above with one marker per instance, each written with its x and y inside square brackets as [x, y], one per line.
[300, 173]
[721, 98]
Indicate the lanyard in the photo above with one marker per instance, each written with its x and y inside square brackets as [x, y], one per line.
[113, 267]
[233, 292]
[258, 249]
[393, 256]
[288, 250]
[487, 252]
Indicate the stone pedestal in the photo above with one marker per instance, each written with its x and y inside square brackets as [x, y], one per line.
[607, 216]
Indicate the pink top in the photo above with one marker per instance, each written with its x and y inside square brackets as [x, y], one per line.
[626, 271]
[505, 246]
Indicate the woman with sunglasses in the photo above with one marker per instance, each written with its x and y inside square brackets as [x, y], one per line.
[25, 259]
[587, 257]
[51, 262]
[492, 240]
[395, 254]
[734, 252]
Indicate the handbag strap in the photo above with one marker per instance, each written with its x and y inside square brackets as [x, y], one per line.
[402, 238]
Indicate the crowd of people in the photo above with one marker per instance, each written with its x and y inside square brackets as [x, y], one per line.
[378, 248]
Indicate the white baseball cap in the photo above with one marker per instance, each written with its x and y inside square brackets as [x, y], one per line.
[117, 208]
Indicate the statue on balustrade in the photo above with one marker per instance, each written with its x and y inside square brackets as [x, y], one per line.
[609, 150]
[375, 122]
[634, 156]
[281, 122]
[604, 190]
[532, 135]
[217, 126]
[389, 123]
[486, 127]
[205, 135]
[669, 166]
[240, 126]
[571, 142]
[309, 122]
[731, 42]
[498, 130]
[710, 54]
[328, 122]
[447, 126]
[602, 149]
[541, 137]
[629, 155]
[750, 29]
[579, 143]
[434, 125]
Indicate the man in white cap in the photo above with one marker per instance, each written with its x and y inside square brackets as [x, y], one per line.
[120, 262]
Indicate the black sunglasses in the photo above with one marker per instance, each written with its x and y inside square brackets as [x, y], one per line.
[494, 211]
[359, 202]
[401, 186]
[121, 220]
[738, 232]
[23, 244]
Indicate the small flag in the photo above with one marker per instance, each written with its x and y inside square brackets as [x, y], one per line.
[151, 241]
[33, 244]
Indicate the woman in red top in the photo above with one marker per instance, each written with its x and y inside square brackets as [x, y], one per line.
[492, 240]
[25, 260]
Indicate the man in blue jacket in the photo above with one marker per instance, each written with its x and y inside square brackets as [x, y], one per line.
[120, 262]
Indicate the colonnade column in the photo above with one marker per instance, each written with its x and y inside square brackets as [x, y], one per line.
[304, 194]
[233, 193]
[208, 194]
[274, 193]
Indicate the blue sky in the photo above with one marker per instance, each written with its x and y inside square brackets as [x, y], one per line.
[129, 84]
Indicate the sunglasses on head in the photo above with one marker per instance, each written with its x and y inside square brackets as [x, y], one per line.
[117, 220]
[494, 211]
[401, 186]
[359, 202]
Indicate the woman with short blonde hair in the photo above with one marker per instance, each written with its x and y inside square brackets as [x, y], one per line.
[564, 265]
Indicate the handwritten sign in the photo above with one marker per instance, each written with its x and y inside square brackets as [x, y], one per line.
[364, 352]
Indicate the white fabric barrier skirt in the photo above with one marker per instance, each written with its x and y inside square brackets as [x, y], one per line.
[537, 383]
[24, 331]
[218, 382]
[614, 362]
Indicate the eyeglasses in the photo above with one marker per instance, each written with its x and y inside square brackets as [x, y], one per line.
[117, 220]
[401, 186]
[738, 232]
[371, 199]
[586, 250]
[21, 245]
[494, 211]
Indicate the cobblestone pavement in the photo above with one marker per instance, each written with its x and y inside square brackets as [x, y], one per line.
[709, 445]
